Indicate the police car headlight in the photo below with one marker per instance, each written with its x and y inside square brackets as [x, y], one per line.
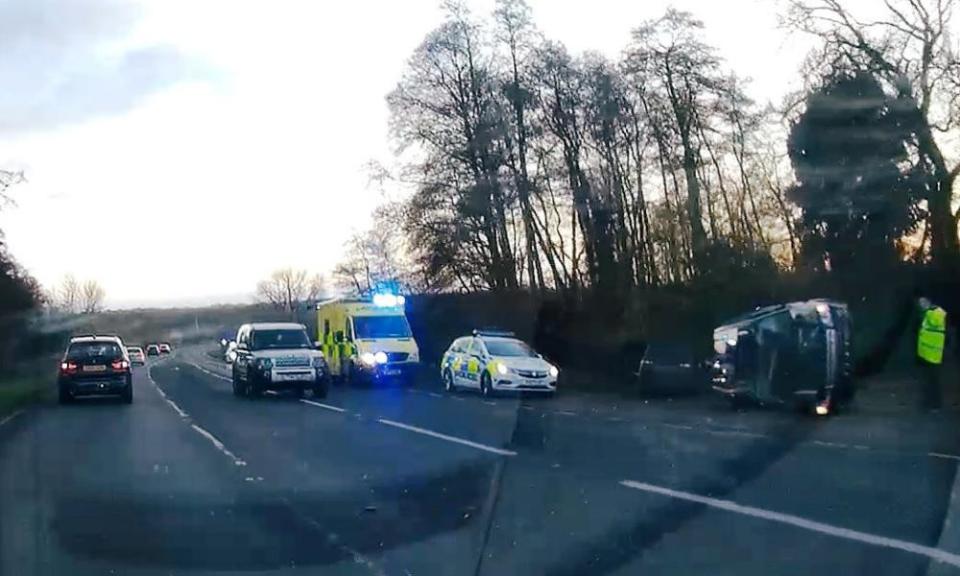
[368, 359]
[502, 369]
[380, 357]
[231, 356]
[554, 371]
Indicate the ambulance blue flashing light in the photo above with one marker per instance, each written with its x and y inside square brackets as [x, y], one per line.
[388, 300]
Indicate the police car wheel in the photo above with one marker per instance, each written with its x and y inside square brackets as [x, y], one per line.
[486, 388]
[448, 384]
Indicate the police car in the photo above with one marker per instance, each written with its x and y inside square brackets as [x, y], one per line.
[493, 362]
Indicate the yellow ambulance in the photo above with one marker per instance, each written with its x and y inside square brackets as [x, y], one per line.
[367, 340]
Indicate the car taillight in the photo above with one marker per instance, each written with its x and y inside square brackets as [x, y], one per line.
[68, 367]
[120, 365]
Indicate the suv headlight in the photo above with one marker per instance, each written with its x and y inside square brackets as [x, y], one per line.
[319, 362]
[554, 371]
[265, 363]
[368, 359]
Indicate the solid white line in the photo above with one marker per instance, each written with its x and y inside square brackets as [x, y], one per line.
[11, 417]
[735, 433]
[435, 395]
[941, 455]
[325, 406]
[566, 413]
[678, 426]
[454, 439]
[219, 445]
[846, 533]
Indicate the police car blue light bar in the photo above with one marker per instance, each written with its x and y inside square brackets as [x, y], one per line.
[388, 300]
[494, 333]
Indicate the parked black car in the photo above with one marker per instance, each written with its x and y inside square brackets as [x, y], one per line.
[670, 368]
[95, 365]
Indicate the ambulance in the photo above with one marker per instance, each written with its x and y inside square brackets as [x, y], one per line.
[367, 340]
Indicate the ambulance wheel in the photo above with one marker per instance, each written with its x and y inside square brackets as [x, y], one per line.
[486, 387]
[448, 384]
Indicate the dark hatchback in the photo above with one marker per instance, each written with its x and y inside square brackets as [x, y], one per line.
[95, 366]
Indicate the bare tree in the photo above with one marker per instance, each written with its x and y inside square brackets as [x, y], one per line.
[911, 50]
[287, 288]
[67, 296]
[92, 295]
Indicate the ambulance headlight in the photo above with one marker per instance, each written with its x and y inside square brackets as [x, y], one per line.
[502, 368]
[380, 357]
[554, 371]
[368, 359]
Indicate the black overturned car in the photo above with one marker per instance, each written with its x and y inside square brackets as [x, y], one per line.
[95, 366]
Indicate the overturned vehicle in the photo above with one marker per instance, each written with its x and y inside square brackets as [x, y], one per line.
[798, 354]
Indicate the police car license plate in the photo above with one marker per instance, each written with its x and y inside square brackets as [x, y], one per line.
[292, 377]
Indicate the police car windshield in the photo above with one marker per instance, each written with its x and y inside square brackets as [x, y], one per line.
[276, 339]
[369, 327]
[513, 348]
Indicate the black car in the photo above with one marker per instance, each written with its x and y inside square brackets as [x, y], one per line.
[670, 368]
[93, 366]
[153, 350]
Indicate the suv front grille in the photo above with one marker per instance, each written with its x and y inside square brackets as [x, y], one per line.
[291, 362]
[397, 356]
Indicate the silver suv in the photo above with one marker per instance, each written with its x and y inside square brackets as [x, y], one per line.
[278, 356]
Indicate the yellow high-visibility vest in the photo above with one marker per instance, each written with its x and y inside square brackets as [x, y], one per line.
[932, 335]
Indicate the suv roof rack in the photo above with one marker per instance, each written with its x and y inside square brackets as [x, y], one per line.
[494, 333]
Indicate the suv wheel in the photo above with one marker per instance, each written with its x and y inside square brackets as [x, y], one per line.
[127, 395]
[320, 387]
[237, 385]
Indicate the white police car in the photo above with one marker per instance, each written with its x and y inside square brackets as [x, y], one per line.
[494, 362]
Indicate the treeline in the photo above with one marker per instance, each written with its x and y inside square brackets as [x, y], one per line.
[533, 167]
[19, 292]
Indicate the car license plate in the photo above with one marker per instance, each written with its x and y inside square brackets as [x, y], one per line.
[94, 368]
[391, 372]
[293, 377]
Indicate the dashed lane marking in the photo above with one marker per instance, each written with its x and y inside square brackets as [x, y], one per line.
[209, 373]
[489, 402]
[565, 413]
[322, 405]
[944, 456]
[678, 426]
[163, 395]
[798, 522]
[454, 439]
[10, 418]
[219, 445]
[435, 395]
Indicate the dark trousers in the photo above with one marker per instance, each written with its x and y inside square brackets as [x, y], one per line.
[930, 383]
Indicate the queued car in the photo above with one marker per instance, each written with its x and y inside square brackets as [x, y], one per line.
[165, 347]
[153, 350]
[493, 362]
[137, 357]
[95, 365]
[278, 356]
[669, 368]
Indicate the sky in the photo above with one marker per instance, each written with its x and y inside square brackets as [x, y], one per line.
[178, 151]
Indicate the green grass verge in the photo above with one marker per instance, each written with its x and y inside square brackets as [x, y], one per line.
[21, 391]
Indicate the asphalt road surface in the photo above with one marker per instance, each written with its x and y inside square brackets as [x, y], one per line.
[191, 480]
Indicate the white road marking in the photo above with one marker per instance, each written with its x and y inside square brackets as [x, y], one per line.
[453, 439]
[678, 426]
[526, 407]
[566, 413]
[321, 405]
[334, 540]
[164, 396]
[735, 433]
[831, 444]
[941, 455]
[219, 445]
[489, 402]
[822, 528]
[458, 398]
[10, 417]
[209, 373]
[435, 395]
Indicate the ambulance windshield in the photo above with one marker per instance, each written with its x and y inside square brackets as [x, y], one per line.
[370, 327]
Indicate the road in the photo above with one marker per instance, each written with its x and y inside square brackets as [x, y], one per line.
[191, 480]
